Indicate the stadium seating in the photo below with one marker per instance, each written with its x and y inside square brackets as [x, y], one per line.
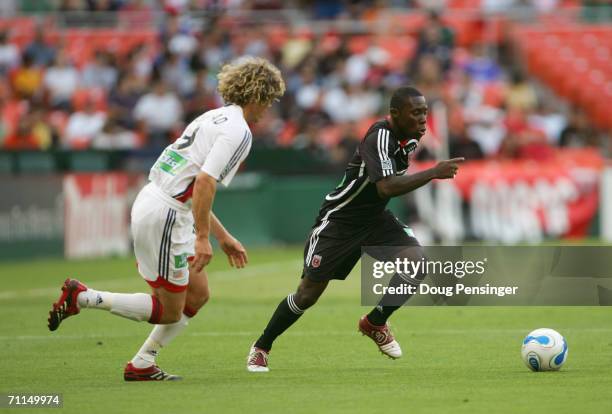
[575, 62]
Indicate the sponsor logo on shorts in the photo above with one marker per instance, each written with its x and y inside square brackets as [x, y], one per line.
[180, 261]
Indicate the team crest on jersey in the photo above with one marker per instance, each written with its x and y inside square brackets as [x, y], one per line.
[412, 145]
[316, 261]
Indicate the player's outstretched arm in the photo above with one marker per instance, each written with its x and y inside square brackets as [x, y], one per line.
[203, 195]
[393, 186]
[235, 251]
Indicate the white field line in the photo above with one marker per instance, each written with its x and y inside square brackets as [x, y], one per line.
[312, 333]
[222, 275]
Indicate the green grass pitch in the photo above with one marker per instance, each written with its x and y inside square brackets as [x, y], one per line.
[457, 360]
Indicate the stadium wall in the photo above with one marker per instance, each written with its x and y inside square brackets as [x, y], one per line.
[87, 214]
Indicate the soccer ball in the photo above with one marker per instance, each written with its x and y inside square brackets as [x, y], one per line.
[544, 350]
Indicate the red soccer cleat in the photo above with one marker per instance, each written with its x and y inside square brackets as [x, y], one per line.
[382, 337]
[257, 361]
[152, 373]
[66, 305]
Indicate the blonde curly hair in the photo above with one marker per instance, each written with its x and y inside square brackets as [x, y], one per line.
[250, 80]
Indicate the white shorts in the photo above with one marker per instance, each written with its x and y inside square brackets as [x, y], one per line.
[164, 239]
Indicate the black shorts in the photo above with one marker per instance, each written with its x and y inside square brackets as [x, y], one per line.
[333, 249]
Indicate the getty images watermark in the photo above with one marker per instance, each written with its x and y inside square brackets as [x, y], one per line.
[409, 270]
[486, 275]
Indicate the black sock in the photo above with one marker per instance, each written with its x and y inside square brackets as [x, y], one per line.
[390, 303]
[379, 315]
[284, 316]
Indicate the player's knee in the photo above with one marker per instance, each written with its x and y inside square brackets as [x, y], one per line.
[198, 297]
[305, 300]
[171, 310]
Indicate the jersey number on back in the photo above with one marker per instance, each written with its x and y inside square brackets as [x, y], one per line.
[185, 141]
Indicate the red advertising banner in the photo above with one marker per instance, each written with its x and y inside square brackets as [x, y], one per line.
[515, 200]
[97, 213]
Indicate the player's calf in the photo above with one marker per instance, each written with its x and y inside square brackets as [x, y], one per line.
[198, 292]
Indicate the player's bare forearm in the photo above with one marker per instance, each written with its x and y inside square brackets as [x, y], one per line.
[203, 195]
[217, 228]
[394, 186]
[235, 251]
[397, 185]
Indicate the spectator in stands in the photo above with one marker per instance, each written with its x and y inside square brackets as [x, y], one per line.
[202, 98]
[100, 72]
[139, 63]
[61, 81]
[42, 130]
[9, 54]
[549, 120]
[308, 93]
[520, 94]
[460, 144]
[215, 48]
[83, 126]
[343, 151]
[523, 141]
[579, 132]
[23, 137]
[176, 74]
[331, 80]
[160, 113]
[114, 137]
[437, 39]
[428, 78]
[182, 43]
[481, 67]
[39, 50]
[308, 141]
[485, 125]
[27, 79]
[123, 99]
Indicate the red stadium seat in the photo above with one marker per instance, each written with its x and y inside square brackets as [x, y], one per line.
[575, 61]
[95, 95]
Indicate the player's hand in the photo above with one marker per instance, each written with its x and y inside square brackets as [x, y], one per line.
[235, 251]
[203, 254]
[448, 168]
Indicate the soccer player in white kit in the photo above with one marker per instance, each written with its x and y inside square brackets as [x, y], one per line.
[172, 217]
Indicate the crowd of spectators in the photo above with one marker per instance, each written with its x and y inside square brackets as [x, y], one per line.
[141, 99]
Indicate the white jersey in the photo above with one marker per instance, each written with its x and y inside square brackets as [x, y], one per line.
[216, 143]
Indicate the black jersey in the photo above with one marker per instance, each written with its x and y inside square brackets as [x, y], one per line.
[380, 154]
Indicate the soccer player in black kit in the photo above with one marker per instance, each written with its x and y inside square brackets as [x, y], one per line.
[355, 215]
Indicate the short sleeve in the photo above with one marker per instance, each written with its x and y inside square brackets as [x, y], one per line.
[225, 156]
[377, 152]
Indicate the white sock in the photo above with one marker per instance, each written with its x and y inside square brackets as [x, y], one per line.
[160, 336]
[135, 306]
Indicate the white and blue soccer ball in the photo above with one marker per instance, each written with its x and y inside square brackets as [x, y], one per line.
[544, 350]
